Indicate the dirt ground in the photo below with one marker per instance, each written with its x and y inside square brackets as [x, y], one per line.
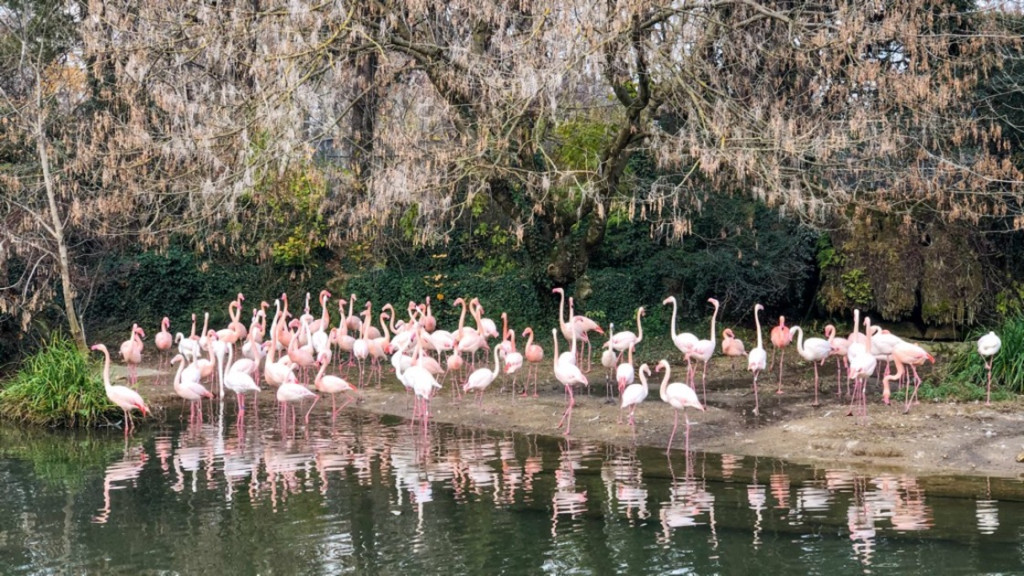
[933, 438]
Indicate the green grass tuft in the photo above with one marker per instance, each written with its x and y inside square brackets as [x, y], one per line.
[56, 387]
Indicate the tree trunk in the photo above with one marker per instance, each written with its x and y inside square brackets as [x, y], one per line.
[57, 230]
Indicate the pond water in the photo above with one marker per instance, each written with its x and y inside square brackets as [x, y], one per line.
[371, 495]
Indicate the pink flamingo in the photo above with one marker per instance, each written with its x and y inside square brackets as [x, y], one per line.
[290, 393]
[131, 353]
[758, 358]
[862, 366]
[578, 325]
[907, 354]
[703, 350]
[988, 346]
[238, 378]
[569, 375]
[534, 355]
[680, 397]
[732, 346]
[481, 378]
[781, 336]
[582, 326]
[815, 351]
[188, 386]
[332, 385]
[513, 362]
[840, 347]
[633, 395]
[423, 384]
[163, 340]
[683, 341]
[124, 397]
[621, 341]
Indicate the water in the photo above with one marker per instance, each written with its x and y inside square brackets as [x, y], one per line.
[370, 495]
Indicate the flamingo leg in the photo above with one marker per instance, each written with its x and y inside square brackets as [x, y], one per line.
[757, 405]
[782, 357]
[675, 424]
[815, 384]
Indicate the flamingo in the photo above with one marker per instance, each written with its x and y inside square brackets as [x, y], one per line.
[814, 350]
[908, 354]
[684, 341]
[988, 346]
[609, 360]
[163, 340]
[625, 373]
[329, 384]
[481, 378]
[780, 336]
[732, 346]
[703, 350]
[680, 397]
[534, 355]
[422, 384]
[582, 326]
[290, 393]
[124, 397]
[131, 352]
[882, 344]
[634, 394]
[840, 347]
[568, 374]
[190, 388]
[758, 358]
[621, 341]
[238, 378]
[428, 322]
[513, 362]
[578, 325]
[862, 366]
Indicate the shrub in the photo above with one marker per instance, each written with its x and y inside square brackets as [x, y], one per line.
[56, 387]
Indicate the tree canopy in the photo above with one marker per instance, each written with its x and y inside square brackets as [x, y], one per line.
[269, 129]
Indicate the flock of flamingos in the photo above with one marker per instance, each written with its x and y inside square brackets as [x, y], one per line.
[298, 351]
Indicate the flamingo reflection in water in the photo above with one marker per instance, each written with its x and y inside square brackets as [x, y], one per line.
[566, 500]
[623, 480]
[118, 475]
[689, 499]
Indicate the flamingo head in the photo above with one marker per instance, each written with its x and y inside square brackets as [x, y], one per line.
[668, 300]
[99, 347]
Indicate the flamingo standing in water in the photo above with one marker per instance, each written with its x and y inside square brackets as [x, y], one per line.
[187, 385]
[332, 385]
[290, 393]
[124, 397]
[758, 358]
[988, 346]
[781, 336]
[814, 350]
[680, 397]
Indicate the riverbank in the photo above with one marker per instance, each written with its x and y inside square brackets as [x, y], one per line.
[933, 438]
